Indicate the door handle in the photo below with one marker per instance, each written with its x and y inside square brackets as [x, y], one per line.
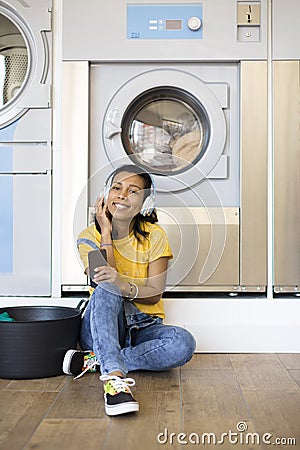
[112, 124]
[111, 130]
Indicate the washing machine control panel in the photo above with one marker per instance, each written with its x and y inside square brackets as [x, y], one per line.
[162, 21]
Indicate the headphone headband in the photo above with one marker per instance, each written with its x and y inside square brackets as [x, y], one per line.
[149, 202]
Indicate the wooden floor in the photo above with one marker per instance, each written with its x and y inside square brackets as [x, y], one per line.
[253, 395]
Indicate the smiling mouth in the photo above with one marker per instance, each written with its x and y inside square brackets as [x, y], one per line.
[121, 206]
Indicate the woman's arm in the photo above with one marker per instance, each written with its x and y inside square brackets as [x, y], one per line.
[150, 293]
[157, 272]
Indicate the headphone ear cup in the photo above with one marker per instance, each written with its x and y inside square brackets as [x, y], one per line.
[106, 192]
[148, 206]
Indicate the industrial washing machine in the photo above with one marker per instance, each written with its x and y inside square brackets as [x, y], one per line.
[25, 147]
[169, 86]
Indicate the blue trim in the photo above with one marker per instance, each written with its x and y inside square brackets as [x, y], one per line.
[6, 153]
[6, 200]
[87, 242]
[6, 159]
[6, 224]
[7, 133]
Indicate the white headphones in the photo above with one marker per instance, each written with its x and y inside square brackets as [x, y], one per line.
[149, 202]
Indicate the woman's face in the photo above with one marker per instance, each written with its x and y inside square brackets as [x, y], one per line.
[126, 196]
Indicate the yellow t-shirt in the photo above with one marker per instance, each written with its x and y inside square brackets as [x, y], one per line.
[132, 256]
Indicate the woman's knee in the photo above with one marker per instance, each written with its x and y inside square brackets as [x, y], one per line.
[105, 292]
[185, 345]
[108, 288]
[106, 298]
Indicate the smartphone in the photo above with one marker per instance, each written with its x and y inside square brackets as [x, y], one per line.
[96, 258]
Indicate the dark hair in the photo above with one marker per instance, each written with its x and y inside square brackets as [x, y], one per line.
[138, 228]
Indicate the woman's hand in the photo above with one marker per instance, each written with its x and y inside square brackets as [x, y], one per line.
[110, 275]
[103, 216]
[106, 273]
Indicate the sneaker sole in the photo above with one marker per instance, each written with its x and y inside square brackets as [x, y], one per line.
[124, 408]
[66, 362]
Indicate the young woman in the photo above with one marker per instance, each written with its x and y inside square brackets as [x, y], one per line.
[123, 324]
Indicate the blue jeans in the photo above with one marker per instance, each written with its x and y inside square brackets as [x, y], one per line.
[124, 338]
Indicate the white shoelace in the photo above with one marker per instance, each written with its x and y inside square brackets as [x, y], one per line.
[89, 366]
[118, 383]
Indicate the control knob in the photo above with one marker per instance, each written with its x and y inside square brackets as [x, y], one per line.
[194, 23]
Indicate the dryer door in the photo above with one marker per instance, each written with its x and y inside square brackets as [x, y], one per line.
[25, 66]
[169, 122]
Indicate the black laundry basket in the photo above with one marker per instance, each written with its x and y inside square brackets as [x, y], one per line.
[35, 344]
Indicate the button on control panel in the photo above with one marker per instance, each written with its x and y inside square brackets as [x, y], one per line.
[194, 23]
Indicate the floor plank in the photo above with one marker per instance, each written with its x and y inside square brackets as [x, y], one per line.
[69, 434]
[296, 376]
[4, 383]
[157, 381]
[213, 404]
[53, 384]
[290, 360]
[158, 394]
[262, 372]
[80, 399]
[212, 394]
[208, 361]
[21, 413]
[158, 411]
[277, 413]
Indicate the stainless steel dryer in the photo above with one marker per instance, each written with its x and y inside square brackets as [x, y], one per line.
[168, 86]
[25, 147]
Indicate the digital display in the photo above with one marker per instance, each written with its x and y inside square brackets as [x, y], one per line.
[173, 24]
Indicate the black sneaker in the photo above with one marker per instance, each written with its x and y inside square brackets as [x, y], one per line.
[117, 395]
[77, 363]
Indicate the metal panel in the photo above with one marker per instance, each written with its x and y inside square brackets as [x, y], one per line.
[287, 175]
[75, 139]
[205, 245]
[254, 146]
[25, 230]
[33, 126]
[286, 30]
[25, 158]
[98, 33]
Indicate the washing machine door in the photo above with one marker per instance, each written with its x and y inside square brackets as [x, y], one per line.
[170, 122]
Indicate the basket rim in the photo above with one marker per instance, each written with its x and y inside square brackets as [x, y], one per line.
[76, 312]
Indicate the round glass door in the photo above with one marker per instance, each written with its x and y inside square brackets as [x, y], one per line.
[168, 121]
[166, 130]
[13, 61]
